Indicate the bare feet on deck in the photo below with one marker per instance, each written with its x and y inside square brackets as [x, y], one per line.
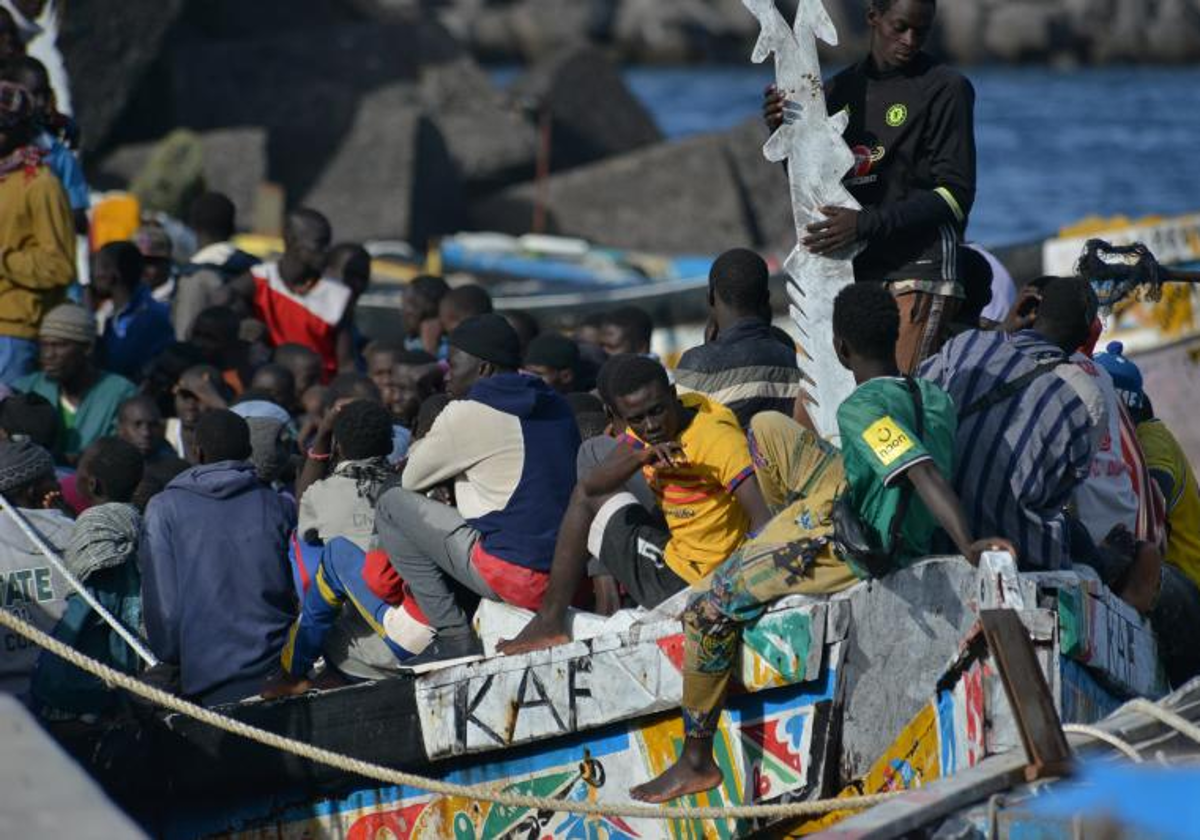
[682, 778]
[538, 634]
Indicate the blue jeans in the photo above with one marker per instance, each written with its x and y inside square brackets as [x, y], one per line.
[17, 358]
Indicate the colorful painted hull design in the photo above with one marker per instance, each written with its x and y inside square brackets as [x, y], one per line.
[587, 721]
[768, 746]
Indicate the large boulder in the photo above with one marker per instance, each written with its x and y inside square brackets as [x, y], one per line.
[701, 195]
[391, 176]
[488, 138]
[961, 30]
[108, 45]
[683, 30]
[234, 162]
[1024, 31]
[527, 30]
[304, 86]
[593, 113]
[1174, 32]
[763, 186]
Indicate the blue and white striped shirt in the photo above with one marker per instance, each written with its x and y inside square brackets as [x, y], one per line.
[1017, 461]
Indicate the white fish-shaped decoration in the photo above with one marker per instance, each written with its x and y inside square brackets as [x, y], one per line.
[818, 159]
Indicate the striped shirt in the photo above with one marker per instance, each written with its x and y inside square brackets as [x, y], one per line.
[746, 369]
[1017, 462]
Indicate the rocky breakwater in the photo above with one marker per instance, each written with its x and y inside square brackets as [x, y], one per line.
[969, 31]
[394, 130]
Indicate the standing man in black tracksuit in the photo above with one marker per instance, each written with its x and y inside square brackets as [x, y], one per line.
[912, 130]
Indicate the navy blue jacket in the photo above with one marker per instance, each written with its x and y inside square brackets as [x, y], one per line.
[217, 590]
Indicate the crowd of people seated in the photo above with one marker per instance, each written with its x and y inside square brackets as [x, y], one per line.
[278, 503]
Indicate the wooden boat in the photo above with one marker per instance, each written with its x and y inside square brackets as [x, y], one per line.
[828, 686]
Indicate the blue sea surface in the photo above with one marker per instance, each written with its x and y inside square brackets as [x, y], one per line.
[1054, 146]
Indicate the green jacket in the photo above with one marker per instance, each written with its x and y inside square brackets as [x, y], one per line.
[96, 415]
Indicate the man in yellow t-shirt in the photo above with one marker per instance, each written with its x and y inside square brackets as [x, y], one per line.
[695, 458]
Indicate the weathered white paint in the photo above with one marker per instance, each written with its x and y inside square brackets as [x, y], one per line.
[505, 701]
[811, 143]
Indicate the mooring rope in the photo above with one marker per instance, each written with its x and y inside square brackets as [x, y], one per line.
[392, 776]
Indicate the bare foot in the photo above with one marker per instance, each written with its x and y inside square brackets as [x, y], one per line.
[538, 634]
[680, 779]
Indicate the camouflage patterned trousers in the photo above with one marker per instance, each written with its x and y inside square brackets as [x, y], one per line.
[791, 556]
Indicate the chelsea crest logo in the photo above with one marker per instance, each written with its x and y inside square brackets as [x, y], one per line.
[897, 114]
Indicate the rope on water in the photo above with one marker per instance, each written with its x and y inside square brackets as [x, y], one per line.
[391, 776]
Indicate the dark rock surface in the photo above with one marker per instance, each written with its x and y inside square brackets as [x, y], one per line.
[108, 45]
[235, 162]
[594, 114]
[391, 175]
[968, 31]
[701, 195]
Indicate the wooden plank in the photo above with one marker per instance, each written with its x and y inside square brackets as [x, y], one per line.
[1028, 694]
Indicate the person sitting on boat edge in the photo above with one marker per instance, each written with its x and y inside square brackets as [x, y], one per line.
[217, 592]
[896, 464]
[509, 443]
[695, 458]
[1028, 429]
[336, 561]
[741, 365]
[1176, 616]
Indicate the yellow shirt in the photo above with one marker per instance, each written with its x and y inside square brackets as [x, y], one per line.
[707, 523]
[37, 249]
[1163, 454]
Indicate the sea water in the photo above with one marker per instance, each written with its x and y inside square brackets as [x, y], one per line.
[1054, 146]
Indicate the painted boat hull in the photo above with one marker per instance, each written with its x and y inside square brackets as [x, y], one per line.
[829, 685]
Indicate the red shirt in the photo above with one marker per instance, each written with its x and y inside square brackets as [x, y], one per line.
[311, 319]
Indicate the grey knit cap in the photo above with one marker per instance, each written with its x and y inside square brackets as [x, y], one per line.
[22, 462]
[69, 322]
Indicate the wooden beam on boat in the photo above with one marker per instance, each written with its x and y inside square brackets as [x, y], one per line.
[1028, 694]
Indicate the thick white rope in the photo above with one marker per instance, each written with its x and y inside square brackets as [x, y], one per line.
[1139, 706]
[31, 533]
[1119, 744]
[1175, 721]
[391, 776]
